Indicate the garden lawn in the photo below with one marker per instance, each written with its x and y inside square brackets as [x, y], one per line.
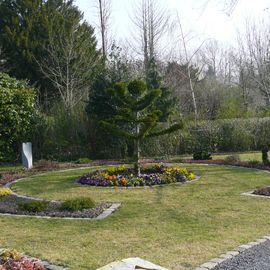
[178, 226]
[10, 168]
[244, 156]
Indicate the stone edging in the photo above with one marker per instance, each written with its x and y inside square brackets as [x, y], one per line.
[46, 264]
[250, 193]
[230, 254]
[103, 215]
[235, 252]
[107, 212]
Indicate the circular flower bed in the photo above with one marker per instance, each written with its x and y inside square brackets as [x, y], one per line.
[123, 177]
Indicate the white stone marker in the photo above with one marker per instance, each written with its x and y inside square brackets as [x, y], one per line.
[132, 264]
[27, 158]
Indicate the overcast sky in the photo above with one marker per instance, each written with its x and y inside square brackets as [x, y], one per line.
[209, 23]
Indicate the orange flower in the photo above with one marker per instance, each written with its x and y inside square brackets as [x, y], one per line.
[124, 181]
[111, 177]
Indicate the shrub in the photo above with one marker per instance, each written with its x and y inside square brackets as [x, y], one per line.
[77, 204]
[4, 191]
[23, 264]
[11, 259]
[44, 165]
[265, 159]
[33, 206]
[7, 254]
[112, 170]
[17, 115]
[83, 161]
[9, 177]
[254, 163]
[202, 155]
[232, 158]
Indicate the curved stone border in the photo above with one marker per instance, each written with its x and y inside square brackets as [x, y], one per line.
[103, 215]
[230, 254]
[46, 264]
[250, 193]
[107, 212]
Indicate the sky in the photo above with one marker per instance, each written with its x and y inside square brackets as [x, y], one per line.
[209, 23]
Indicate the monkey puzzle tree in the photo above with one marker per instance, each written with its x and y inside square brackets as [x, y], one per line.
[137, 116]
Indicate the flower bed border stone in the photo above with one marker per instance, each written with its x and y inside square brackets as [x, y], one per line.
[106, 212]
[251, 194]
[231, 254]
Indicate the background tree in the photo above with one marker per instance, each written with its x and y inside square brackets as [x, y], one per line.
[72, 60]
[101, 106]
[17, 116]
[136, 107]
[104, 14]
[25, 30]
[254, 44]
[151, 21]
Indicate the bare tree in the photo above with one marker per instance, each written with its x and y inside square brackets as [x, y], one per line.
[254, 46]
[152, 22]
[220, 59]
[104, 14]
[226, 6]
[71, 62]
[188, 71]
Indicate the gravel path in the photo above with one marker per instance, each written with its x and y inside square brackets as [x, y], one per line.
[255, 258]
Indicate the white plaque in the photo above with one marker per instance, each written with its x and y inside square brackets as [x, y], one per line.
[27, 158]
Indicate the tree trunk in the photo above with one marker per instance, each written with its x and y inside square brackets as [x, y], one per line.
[103, 28]
[137, 168]
[265, 155]
[137, 149]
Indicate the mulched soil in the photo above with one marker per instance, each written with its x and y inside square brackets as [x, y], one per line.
[255, 258]
[9, 204]
[265, 191]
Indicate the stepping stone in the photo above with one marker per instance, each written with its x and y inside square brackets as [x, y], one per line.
[132, 264]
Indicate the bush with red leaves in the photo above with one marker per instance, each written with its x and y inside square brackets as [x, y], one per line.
[23, 263]
[9, 177]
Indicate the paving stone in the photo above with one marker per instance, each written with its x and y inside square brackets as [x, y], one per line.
[209, 265]
[243, 248]
[233, 253]
[218, 260]
[226, 256]
[253, 244]
[55, 267]
[131, 264]
[262, 240]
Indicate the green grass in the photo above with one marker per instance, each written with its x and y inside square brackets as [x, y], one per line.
[10, 167]
[177, 226]
[244, 156]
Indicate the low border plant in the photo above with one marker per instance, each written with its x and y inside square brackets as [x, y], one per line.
[77, 204]
[10, 259]
[4, 191]
[33, 206]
